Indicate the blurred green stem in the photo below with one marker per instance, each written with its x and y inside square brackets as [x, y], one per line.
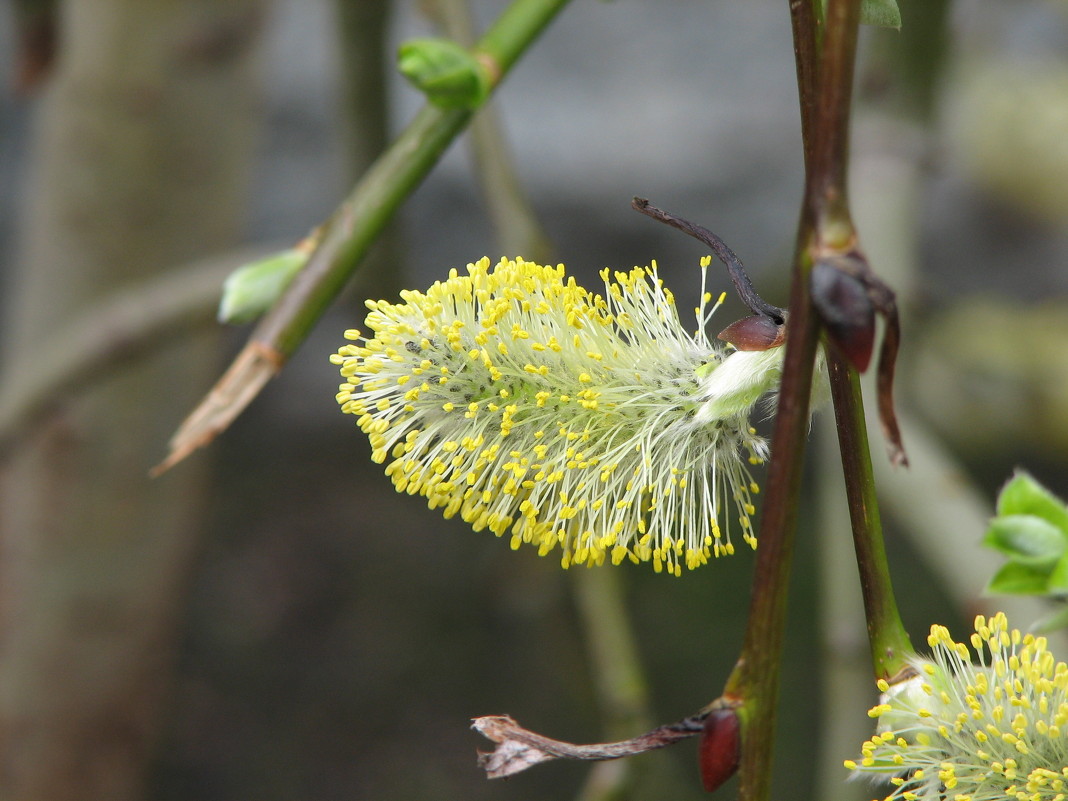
[621, 688]
[889, 642]
[615, 668]
[363, 27]
[514, 221]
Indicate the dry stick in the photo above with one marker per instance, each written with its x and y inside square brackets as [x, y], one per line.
[349, 234]
[518, 748]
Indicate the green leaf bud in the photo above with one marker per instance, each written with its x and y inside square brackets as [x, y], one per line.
[447, 73]
[251, 289]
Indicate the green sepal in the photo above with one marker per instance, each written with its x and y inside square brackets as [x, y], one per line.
[1026, 539]
[447, 73]
[253, 288]
[1017, 579]
[1025, 496]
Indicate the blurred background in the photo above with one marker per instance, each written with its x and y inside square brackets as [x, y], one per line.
[269, 620]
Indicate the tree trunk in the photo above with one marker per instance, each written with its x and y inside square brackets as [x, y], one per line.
[141, 163]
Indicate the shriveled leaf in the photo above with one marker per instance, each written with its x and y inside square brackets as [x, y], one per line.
[848, 313]
[1017, 579]
[1025, 496]
[518, 748]
[1026, 539]
[514, 752]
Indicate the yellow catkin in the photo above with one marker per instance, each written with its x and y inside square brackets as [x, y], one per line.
[604, 430]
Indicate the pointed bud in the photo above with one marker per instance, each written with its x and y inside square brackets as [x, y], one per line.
[757, 332]
[447, 73]
[252, 289]
[846, 308]
[719, 748]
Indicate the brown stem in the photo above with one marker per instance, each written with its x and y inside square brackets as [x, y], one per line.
[755, 677]
[804, 23]
[825, 184]
[825, 86]
[742, 283]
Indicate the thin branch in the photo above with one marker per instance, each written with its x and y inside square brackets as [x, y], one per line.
[742, 283]
[826, 181]
[824, 221]
[349, 234]
[890, 645]
[755, 677]
[806, 35]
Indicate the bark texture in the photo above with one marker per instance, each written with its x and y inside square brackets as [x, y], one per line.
[142, 153]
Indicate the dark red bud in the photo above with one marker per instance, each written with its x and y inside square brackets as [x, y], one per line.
[719, 748]
[847, 311]
[754, 333]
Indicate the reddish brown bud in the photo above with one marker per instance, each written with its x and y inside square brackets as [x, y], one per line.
[847, 310]
[719, 748]
[757, 332]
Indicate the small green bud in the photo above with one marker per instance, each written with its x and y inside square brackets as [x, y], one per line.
[447, 73]
[250, 290]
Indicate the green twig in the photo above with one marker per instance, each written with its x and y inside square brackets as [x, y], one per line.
[350, 232]
[845, 676]
[623, 697]
[833, 235]
[887, 637]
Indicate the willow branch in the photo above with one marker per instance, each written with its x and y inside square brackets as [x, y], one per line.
[349, 233]
[755, 677]
[889, 642]
[804, 23]
[825, 87]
